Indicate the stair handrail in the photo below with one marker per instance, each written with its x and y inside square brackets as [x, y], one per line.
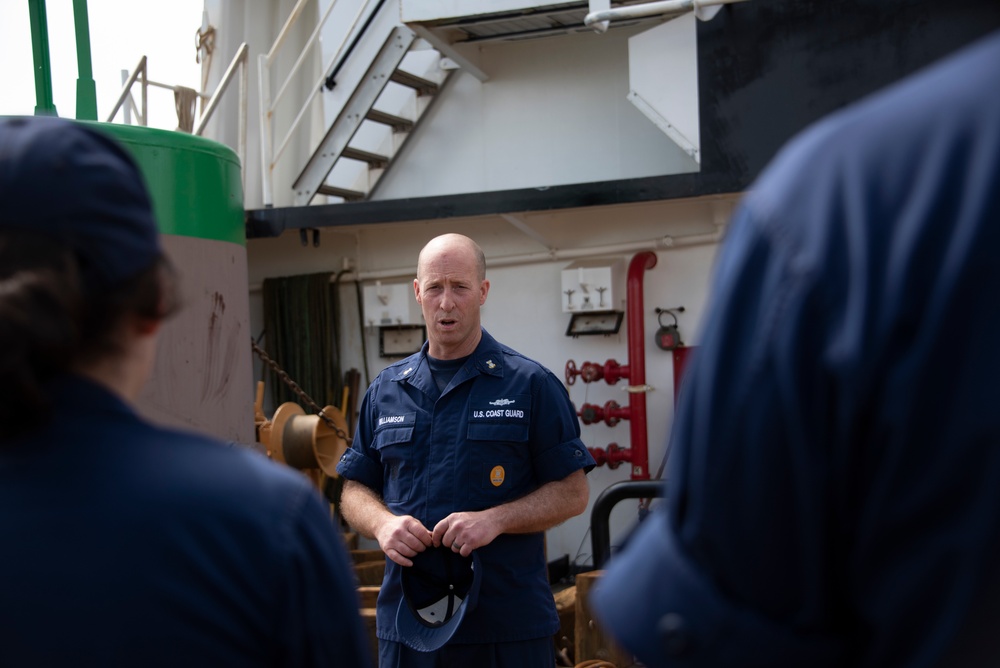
[269, 157]
[239, 62]
[600, 514]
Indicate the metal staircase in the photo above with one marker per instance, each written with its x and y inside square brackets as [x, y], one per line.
[388, 67]
[362, 108]
[379, 81]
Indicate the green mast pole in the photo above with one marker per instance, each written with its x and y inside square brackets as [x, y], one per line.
[44, 105]
[86, 89]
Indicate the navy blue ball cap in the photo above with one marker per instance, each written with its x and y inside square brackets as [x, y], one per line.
[72, 182]
[439, 590]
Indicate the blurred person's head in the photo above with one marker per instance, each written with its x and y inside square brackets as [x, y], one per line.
[84, 282]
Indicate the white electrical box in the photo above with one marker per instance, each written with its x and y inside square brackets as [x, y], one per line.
[390, 304]
[594, 285]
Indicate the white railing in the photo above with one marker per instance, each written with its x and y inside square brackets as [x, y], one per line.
[139, 75]
[140, 69]
[268, 155]
[239, 61]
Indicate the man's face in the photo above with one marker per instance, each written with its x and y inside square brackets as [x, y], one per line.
[450, 294]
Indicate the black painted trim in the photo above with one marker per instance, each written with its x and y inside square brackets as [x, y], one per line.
[272, 222]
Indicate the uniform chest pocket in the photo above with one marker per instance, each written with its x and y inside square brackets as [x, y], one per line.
[514, 433]
[501, 457]
[394, 444]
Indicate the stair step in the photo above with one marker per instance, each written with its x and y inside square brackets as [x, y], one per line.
[398, 123]
[374, 160]
[355, 111]
[334, 191]
[419, 84]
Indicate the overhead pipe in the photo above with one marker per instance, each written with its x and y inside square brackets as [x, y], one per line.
[703, 9]
[664, 243]
[659, 243]
[640, 263]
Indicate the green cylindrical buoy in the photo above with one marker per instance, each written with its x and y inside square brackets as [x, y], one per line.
[203, 378]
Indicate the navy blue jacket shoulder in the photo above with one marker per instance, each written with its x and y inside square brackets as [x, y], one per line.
[834, 488]
[129, 545]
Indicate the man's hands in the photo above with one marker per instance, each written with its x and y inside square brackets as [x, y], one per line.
[401, 537]
[464, 532]
[547, 506]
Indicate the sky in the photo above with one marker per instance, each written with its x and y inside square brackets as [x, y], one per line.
[121, 32]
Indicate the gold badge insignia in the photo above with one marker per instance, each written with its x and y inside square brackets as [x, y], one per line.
[490, 364]
[497, 475]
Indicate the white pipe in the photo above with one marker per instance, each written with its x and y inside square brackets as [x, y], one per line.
[266, 143]
[127, 111]
[242, 129]
[599, 20]
[660, 243]
[600, 6]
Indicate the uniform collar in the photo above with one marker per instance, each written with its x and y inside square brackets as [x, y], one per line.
[486, 359]
[78, 394]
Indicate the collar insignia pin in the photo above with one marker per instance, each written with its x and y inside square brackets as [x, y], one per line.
[490, 364]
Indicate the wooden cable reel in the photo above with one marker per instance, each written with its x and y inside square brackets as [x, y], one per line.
[307, 441]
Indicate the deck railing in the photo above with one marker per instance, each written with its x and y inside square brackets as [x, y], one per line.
[238, 65]
[268, 155]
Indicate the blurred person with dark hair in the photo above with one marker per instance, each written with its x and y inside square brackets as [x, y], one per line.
[833, 496]
[127, 544]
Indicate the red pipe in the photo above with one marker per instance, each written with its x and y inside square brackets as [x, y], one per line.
[613, 456]
[637, 363]
[611, 413]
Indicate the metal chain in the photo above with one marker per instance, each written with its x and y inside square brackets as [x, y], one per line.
[294, 387]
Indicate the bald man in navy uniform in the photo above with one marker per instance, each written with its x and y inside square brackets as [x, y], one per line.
[470, 445]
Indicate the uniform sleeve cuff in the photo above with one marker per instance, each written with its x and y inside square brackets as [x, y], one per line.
[658, 605]
[359, 468]
[561, 460]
